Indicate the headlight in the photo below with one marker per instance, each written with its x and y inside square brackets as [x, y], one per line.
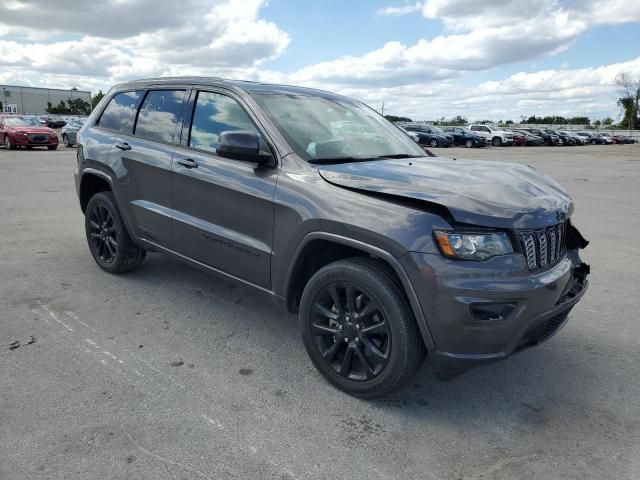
[473, 246]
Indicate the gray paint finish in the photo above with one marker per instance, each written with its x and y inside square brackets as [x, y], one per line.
[250, 222]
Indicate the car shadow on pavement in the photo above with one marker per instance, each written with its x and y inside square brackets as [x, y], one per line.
[554, 382]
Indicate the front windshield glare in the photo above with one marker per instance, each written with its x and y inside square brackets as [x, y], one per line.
[16, 122]
[332, 128]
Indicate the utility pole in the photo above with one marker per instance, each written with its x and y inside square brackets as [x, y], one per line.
[382, 109]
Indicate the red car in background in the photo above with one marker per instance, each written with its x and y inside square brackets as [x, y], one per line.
[22, 132]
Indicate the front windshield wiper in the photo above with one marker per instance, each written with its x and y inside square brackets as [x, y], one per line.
[329, 160]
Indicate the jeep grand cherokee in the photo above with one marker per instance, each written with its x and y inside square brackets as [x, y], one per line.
[387, 253]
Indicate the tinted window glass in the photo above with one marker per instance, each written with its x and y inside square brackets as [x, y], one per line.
[160, 116]
[120, 112]
[214, 114]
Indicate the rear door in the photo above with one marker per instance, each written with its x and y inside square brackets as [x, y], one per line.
[142, 156]
[224, 211]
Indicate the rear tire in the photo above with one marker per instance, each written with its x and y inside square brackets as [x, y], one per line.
[358, 329]
[107, 236]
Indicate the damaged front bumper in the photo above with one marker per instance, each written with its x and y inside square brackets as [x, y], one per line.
[481, 312]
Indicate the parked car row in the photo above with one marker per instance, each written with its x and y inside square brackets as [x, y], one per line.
[480, 135]
[36, 131]
[20, 131]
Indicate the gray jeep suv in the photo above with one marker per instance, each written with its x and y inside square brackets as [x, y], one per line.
[387, 252]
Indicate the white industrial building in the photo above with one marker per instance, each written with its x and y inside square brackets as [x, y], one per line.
[33, 100]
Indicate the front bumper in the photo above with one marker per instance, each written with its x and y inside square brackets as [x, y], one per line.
[28, 141]
[450, 292]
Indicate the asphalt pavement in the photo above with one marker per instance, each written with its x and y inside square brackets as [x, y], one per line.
[170, 373]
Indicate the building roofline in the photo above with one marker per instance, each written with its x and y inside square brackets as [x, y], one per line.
[2, 85]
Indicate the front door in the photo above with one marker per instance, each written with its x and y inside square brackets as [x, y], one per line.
[223, 208]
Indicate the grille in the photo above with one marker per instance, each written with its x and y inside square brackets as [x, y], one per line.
[545, 247]
[38, 138]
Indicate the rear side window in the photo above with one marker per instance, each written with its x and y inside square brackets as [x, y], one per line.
[160, 116]
[120, 112]
[215, 113]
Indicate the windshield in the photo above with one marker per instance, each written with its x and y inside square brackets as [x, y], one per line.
[16, 122]
[32, 121]
[330, 128]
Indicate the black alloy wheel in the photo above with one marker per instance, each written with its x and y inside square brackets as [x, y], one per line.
[109, 242]
[358, 328]
[103, 238]
[350, 331]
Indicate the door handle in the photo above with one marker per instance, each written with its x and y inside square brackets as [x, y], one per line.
[123, 146]
[188, 162]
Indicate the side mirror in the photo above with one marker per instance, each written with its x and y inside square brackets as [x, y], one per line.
[244, 145]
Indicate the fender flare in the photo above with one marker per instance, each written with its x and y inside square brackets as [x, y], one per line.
[105, 176]
[377, 252]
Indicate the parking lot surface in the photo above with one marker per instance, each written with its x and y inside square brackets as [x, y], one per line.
[168, 372]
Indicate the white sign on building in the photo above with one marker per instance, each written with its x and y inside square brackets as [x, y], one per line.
[10, 108]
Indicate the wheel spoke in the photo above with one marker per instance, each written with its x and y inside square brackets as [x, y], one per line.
[93, 223]
[324, 329]
[368, 369]
[345, 368]
[375, 351]
[330, 354]
[380, 327]
[369, 309]
[350, 295]
[95, 235]
[325, 312]
[111, 246]
[333, 291]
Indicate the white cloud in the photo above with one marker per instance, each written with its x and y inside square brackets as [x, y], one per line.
[117, 40]
[106, 42]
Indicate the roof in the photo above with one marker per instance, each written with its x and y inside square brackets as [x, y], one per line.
[253, 87]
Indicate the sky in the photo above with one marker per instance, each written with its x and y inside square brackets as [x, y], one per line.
[426, 59]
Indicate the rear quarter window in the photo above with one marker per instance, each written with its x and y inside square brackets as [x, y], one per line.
[120, 113]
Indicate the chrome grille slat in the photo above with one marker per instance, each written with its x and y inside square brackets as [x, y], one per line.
[552, 245]
[544, 247]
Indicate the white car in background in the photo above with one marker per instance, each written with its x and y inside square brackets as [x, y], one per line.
[495, 136]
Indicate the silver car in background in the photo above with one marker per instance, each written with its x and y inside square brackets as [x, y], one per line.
[70, 130]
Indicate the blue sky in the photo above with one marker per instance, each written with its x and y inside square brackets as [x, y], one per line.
[490, 59]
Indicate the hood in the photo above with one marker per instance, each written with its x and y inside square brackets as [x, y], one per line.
[31, 129]
[492, 194]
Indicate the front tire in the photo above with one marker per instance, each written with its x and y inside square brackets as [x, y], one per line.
[496, 142]
[468, 144]
[52, 147]
[107, 236]
[7, 143]
[358, 328]
[65, 141]
[433, 143]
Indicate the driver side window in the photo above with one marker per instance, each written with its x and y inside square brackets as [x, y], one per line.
[213, 114]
